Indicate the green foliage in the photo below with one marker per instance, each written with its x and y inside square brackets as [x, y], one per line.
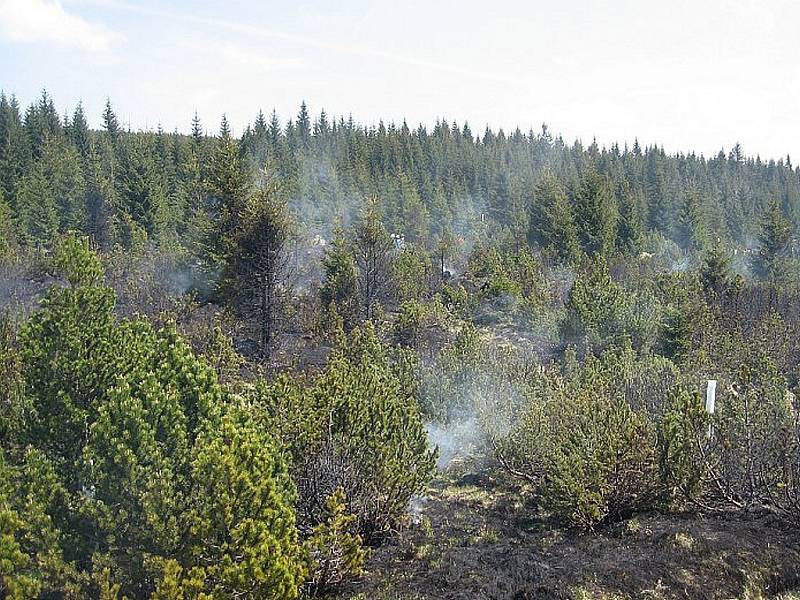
[750, 426]
[373, 251]
[604, 465]
[715, 271]
[339, 285]
[38, 212]
[682, 443]
[336, 555]
[256, 261]
[511, 277]
[422, 325]
[77, 262]
[134, 464]
[242, 522]
[771, 260]
[631, 220]
[8, 237]
[355, 427]
[31, 562]
[691, 229]
[596, 214]
[411, 271]
[552, 224]
[597, 307]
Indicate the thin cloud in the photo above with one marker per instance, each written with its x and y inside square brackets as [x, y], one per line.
[236, 57]
[32, 21]
[309, 42]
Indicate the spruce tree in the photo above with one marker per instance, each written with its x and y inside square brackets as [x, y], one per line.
[78, 131]
[37, 208]
[111, 124]
[596, 213]
[774, 238]
[257, 273]
[691, 231]
[552, 225]
[631, 220]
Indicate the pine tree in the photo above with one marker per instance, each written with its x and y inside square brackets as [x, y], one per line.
[303, 126]
[631, 220]
[691, 231]
[274, 131]
[339, 286]
[257, 269]
[78, 131]
[224, 129]
[336, 554]
[61, 164]
[241, 515]
[8, 237]
[228, 188]
[142, 190]
[111, 124]
[552, 224]
[197, 129]
[596, 213]
[14, 154]
[37, 208]
[715, 271]
[774, 238]
[372, 249]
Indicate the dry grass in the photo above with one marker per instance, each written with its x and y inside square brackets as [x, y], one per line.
[479, 538]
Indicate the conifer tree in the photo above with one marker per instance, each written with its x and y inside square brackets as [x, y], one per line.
[14, 153]
[552, 224]
[111, 124]
[258, 263]
[691, 231]
[37, 208]
[8, 237]
[303, 125]
[596, 213]
[372, 249]
[339, 287]
[78, 131]
[631, 220]
[774, 239]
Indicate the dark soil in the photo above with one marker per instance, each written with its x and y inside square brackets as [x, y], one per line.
[474, 538]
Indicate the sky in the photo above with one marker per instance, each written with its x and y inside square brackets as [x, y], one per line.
[688, 75]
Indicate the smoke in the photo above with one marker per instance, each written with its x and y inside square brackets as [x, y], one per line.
[416, 508]
[21, 288]
[682, 265]
[455, 440]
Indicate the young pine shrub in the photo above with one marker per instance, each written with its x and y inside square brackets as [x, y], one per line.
[597, 309]
[356, 426]
[518, 424]
[683, 445]
[744, 455]
[603, 464]
[335, 554]
[751, 428]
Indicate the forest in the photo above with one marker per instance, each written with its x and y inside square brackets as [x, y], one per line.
[324, 359]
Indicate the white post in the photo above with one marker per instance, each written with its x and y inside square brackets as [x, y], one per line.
[711, 397]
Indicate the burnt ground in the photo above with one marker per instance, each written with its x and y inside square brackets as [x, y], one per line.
[475, 537]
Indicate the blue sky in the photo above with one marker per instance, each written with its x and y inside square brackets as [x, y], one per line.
[690, 75]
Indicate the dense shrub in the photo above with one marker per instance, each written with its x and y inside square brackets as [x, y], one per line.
[335, 553]
[354, 427]
[597, 308]
[603, 465]
[587, 439]
[136, 468]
